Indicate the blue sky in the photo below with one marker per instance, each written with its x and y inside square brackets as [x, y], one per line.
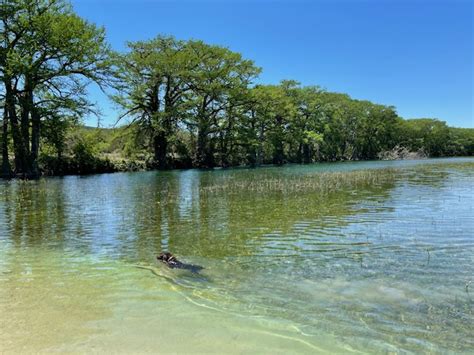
[415, 55]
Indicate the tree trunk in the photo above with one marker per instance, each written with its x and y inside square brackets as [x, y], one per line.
[299, 153]
[278, 153]
[210, 163]
[204, 153]
[252, 156]
[226, 147]
[306, 153]
[278, 156]
[261, 139]
[6, 168]
[251, 149]
[25, 121]
[201, 148]
[19, 145]
[160, 143]
[35, 139]
[224, 161]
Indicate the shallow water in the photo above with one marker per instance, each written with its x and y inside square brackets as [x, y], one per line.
[372, 257]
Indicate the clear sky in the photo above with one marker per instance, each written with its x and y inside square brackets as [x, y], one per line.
[415, 55]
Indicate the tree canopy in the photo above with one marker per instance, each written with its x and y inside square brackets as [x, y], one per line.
[47, 54]
[187, 103]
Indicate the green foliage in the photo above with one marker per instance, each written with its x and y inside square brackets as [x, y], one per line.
[166, 85]
[189, 104]
[461, 142]
[54, 132]
[83, 156]
[306, 124]
[429, 134]
[48, 54]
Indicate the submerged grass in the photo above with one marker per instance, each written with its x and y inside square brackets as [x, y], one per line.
[323, 183]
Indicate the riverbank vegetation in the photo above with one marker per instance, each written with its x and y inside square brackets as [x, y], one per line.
[184, 104]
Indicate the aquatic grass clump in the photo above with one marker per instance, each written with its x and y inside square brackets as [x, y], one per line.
[322, 183]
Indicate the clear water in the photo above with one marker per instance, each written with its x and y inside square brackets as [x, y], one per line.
[371, 257]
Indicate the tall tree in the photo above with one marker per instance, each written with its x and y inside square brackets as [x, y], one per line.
[306, 128]
[166, 84]
[274, 110]
[49, 54]
[219, 84]
[153, 89]
[425, 133]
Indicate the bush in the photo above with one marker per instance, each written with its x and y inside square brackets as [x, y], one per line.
[83, 162]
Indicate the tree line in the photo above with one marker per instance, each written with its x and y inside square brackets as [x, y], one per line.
[185, 103]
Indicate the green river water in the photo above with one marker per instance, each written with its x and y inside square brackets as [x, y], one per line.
[363, 257]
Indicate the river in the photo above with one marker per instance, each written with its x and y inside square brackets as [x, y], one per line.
[371, 257]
